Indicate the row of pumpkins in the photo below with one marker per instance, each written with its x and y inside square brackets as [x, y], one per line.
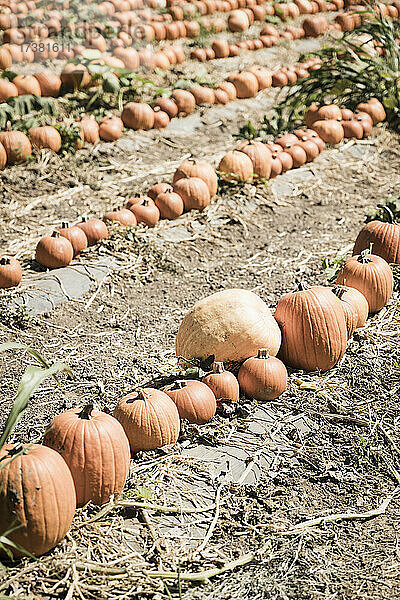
[195, 183]
[41, 485]
[145, 24]
[16, 146]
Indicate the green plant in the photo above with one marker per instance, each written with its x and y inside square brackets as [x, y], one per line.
[30, 381]
[351, 72]
[380, 214]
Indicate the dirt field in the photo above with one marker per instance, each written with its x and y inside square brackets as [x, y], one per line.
[266, 238]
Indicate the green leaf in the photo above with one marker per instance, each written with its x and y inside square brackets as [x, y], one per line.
[31, 379]
[143, 492]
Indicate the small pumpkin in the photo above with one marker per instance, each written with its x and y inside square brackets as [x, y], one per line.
[27, 84]
[221, 48]
[314, 26]
[384, 237]
[221, 97]
[246, 84]
[122, 216]
[49, 83]
[259, 155]
[94, 229]
[90, 130]
[238, 21]
[110, 128]
[279, 79]
[161, 118]
[167, 105]
[194, 400]
[353, 129]
[229, 88]
[158, 188]
[330, 131]
[298, 154]
[264, 76]
[286, 140]
[355, 307]
[16, 145]
[310, 134]
[37, 498]
[276, 165]
[170, 204]
[96, 450]
[374, 109]
[222, 383]
[236, 166]
[286, 161]
[75, 76]
[7, 90]
[370, 275]
[194, 193]
[76, 236]
[314, 333]
[310, 148]
[366, 122]
[198, 168]
[138, 115]
[203, 95]
[263, 377]
[54, 251]
[146, 212]
[10, 272]
[45, 137]
[184, 100]
[150, 419]
[3, 156]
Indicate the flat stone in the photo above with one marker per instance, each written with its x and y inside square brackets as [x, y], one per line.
[298, 175]
[283, 189]
[47, 290]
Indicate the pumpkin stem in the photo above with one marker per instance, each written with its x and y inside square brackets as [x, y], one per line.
[389, 213]
[55, 234]
[5, 260]
[302, 286]
[365, 256]
[86, 411]
[263, 353]
[218, 367]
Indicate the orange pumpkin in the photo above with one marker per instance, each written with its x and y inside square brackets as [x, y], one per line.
[384, 238]
[259, 155]
[370, 275]
[96, 450]
[236, 166]
[355, 307]
[16, 145]
[45, 137]
[222, 383]
[314, 333]
[194, 400]
[138, 115]
[263, 377]
[10, 272]
[197, 168]
[150, 419]
[37, 498]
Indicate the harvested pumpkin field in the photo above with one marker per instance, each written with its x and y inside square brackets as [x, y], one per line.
[199, 382]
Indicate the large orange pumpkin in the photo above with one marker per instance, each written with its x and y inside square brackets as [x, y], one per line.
[95, 448]
[37, 495]
[314, 333]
